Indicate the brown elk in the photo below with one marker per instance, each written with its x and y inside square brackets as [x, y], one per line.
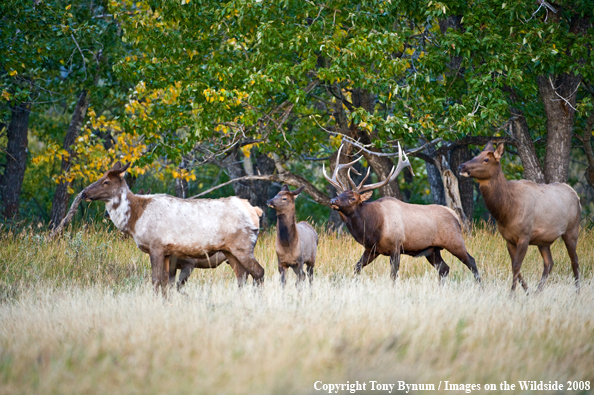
[390, 227]
[186, 265]
[296, 243]
[527, 213]
[165, 226]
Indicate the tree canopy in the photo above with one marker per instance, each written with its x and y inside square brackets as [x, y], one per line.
[183, 88]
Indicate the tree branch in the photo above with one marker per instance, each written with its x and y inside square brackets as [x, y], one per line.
[285, 177]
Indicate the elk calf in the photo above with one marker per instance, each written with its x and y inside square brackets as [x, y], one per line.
[296, 243]
[391, 227]
[164, 226]
[527, 213]
[186, 265]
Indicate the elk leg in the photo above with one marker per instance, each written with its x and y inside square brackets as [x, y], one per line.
[310, 273]
[249, 262]
[570, 239]
[173, 269]
[460, 252]
[283, 274]
[438, 263]
[545, 251]
[517, 254]
[298, 269]
[184, 274]
[240, 273]
[159, 274]
[367, 257]
[395, 263]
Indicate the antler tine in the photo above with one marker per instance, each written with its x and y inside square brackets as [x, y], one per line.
[353, 185]
[334, 182]
[336, 168]
[401, 163]
[364, 179]
[370, 187]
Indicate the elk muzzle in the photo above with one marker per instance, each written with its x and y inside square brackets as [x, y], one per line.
[463, 170]
[334, 203]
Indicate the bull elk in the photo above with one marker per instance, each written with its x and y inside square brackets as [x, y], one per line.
[527, 213]
[390, 227]
[164, 226]
[296, 243]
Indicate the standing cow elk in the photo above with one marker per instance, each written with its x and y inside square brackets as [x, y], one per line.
[527, 213]
[165, 226]
[390, 227]
[186, 265]
[296, 243]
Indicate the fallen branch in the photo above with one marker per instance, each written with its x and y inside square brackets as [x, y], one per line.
[73, 208]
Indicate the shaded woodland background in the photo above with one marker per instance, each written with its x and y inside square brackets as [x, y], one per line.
[196, 93]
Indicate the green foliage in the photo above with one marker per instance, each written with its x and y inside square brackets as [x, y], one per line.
[276, 75]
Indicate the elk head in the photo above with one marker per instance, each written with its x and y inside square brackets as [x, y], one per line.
[108, 186]
[349, 199]
[284, 201]
[486, 165]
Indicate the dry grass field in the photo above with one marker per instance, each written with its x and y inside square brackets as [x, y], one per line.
[78, 316]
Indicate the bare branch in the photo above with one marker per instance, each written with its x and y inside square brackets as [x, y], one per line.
[81, 54]
[73, 208]
[285, 177]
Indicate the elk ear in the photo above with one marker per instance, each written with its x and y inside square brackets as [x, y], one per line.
[122, 171]
[366, 195]
[117, 166]
[499, 151]
[489, 147]
[298, 191]
[285, 188]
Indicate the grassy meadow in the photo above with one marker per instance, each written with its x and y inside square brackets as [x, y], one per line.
[78, 315]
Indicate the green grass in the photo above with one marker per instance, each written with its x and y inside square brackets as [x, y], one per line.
[78, 315]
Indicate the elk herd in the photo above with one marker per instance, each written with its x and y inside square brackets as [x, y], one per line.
[204, 233]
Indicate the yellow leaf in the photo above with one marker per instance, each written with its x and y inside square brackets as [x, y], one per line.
[12, 73]
[246, 150]
[68, 7]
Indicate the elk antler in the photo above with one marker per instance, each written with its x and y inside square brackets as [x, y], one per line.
[391, 177]
[334, 180]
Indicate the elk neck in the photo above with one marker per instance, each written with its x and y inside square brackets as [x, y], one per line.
[364, 223]
[119, 208]
[498, 197]
[286, 228]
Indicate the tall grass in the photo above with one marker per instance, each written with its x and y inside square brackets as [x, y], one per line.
[77, 315]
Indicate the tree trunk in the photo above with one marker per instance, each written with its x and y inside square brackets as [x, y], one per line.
[588, 149]
[559, 97]
[452, 194]
[181, 185]
[457, 157]
[16, 160]
[435, 180]
[525, 146]
[382, 165]
[264, 165]
[181, 188]
[256, 192]
[61, 197]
